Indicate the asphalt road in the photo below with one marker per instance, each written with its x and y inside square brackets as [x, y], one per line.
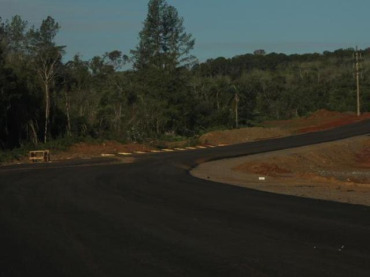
[152, 218]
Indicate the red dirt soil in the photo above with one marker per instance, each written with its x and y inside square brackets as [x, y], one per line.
[318, 121]
[343, 119]
[87, 150]
[337, 171]
[268, 169]
[363, 158]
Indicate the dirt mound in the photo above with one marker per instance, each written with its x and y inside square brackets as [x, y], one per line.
[241, 135]
[336, 171]
[264, 169]
[324, 114]
[318, 121]
[335, 121]
[340, 161]
[363, 157]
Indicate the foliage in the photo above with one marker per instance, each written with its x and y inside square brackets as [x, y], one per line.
[164, 44]
[165, 95]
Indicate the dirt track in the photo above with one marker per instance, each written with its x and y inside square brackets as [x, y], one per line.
[337, 171]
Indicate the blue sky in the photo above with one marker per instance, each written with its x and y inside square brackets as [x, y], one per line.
[221, 27]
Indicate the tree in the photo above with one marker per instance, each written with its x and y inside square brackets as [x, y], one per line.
[116, 59]
[46, 58]
[17, 108]
[15, 38]
[161, 60]
[21, 111]
[164, 44]
[76, 79]
[259, 52]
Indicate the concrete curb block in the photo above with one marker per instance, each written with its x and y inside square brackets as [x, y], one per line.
[164, 150]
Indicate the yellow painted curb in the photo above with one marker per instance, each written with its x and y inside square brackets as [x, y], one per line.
[107, 155]
[125, 154]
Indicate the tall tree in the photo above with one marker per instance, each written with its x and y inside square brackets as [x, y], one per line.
[47, 58]
[164, 44]
[161, 60]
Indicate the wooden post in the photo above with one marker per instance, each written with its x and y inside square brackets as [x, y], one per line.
[358, 71]
[236, 110]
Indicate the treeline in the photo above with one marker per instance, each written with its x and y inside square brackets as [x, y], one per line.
[279, 86]
[166, 92]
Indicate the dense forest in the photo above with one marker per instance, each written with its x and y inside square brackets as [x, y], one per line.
[166, 91]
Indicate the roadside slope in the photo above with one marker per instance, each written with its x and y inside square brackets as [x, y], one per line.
[336, 171]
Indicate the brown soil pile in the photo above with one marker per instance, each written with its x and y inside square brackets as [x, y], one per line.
[343, 161]
[320, 120]
[264, 169]
[363, 157]
[242, 135]
[337, 171]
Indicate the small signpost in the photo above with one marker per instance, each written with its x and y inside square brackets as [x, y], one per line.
[39, 156]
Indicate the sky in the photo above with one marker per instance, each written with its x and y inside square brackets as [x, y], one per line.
[222, 28]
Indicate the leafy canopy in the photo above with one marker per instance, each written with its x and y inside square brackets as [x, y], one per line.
[164, 44]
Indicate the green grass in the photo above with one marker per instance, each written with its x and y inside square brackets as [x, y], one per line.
[55, 145]
[13, 155]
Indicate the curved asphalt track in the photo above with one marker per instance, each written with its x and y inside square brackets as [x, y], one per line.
[152, 218]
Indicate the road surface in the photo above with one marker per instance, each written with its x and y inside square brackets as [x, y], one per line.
[152, 218]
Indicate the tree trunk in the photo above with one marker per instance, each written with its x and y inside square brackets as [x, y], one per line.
[236, 111]
[68, 104]
[47, 110]
[217, 101]
[35, 139]
[118, 118]
[157, 125]
[300, 73]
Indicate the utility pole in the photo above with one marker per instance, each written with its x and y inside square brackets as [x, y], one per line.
[236, 101]
[358, 59]
[236, 98]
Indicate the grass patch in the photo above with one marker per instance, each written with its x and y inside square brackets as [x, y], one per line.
[55, 145]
